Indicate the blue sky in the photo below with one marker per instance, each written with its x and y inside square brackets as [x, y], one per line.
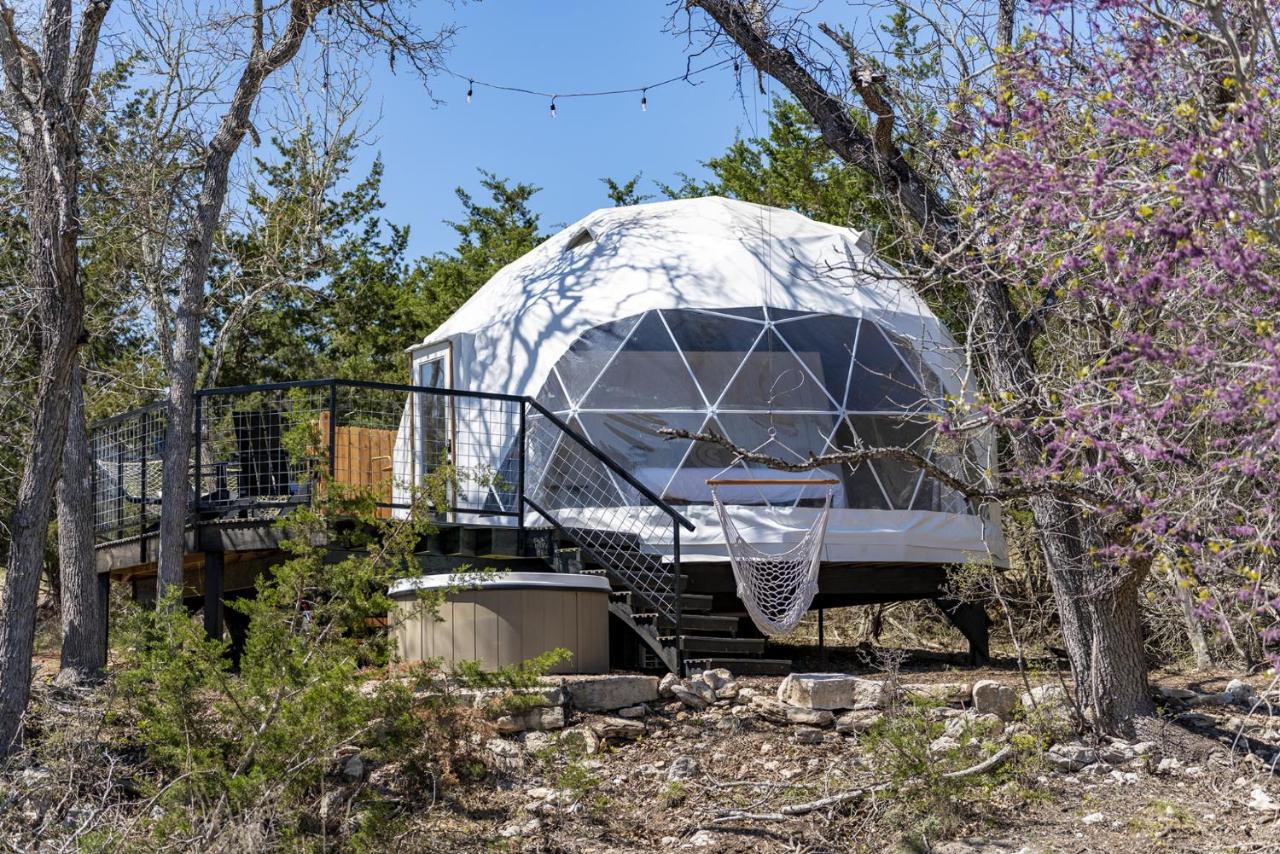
[567, 45]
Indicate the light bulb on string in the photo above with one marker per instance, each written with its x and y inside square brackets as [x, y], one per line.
[553, 106]
[644, 100]
[470, 86]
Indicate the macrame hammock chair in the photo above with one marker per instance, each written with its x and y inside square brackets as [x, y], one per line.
[776, 588]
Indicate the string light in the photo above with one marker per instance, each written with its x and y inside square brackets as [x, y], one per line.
[688, 77]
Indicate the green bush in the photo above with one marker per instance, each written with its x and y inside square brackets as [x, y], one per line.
[260, 747]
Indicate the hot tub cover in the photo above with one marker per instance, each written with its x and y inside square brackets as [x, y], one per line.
[501, 581]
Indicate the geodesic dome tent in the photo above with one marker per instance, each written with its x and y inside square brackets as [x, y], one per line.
[758, 324]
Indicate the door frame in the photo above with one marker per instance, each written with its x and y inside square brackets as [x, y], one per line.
[440, 352]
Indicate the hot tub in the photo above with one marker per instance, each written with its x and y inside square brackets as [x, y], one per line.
[505, 618]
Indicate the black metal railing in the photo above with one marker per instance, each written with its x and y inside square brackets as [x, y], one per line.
[262, 450]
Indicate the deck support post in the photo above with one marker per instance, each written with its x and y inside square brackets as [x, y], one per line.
[213, 594]
[822, 638]
[972, 622]
[104, 602]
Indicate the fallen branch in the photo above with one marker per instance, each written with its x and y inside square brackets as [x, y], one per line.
[793, 810]
[992, 762]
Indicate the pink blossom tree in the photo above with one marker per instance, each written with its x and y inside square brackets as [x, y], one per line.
[1097, 179]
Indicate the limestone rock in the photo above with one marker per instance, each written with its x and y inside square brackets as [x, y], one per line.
[611, 691]
[1050, 697]
[810, 717]
[617, 728]
[992, 698]
[858, 721]
[831, 691]
[770, 709]
[951, 693]
[353, 768]
[688, 697]
[1177, 693]
[1260, 801]
[538, 719]
[505, 755]
[580, 739]
[633, 712]
[700, 686]
[717, 678]
[1240, 692]
[1071, 757]
[664, 687]
[807, 735]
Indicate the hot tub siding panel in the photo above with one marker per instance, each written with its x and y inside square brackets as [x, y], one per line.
[506, 627]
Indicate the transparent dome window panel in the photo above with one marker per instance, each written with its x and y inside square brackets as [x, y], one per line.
[898, 478]
[915, 360]
[828, 341]
[821, 382]
[750, 313]
[773, 378]
[705, 461]
[880, 380]
[782, 315]
[647, 373]
[961, 456]
[713, 346]
[794, 438]
[589, 355]
[552, 395]
[861, 486]
[572, 476]
[633, 439]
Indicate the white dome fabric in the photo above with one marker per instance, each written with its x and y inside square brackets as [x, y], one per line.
[754, 322]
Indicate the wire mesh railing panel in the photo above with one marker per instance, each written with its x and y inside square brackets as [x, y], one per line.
[399, 442]
[260, 450]
[128, 454]
[593, 504]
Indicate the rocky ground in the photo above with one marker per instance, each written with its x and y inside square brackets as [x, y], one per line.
[724, 764]
[928, 759]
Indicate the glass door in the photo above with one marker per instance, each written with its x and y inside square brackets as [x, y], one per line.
[434, 413]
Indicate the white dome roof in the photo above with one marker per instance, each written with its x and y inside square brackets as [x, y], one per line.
[705, 253]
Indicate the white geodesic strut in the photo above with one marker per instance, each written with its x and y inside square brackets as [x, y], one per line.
[776, 588]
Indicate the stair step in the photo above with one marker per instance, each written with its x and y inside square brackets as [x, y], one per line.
[617, 580]
[692, 622]
[706, 643]
[741, 666]
[690, 603]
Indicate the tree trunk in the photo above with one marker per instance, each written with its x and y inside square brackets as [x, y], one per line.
[1097, 604]
[84, 648]
[43, 96]
[184, 364]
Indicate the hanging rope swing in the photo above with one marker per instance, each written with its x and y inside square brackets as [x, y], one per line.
[776, 588]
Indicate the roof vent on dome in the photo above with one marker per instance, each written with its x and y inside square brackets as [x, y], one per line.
[582, 238]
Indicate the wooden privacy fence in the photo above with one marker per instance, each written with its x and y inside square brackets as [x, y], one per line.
[363, 457]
